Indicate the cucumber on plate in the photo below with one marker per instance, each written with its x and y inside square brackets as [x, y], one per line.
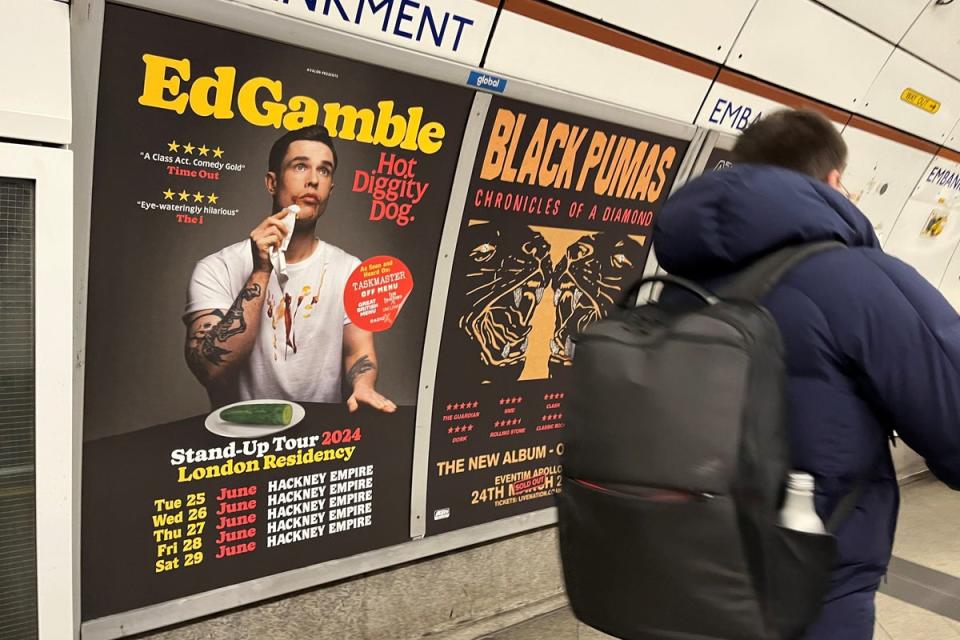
[268, 413]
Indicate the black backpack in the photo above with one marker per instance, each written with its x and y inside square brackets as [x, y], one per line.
[675, 470]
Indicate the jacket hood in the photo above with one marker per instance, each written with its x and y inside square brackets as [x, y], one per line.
[723, 220]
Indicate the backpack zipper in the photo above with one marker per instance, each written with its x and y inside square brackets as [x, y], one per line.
[649, 494]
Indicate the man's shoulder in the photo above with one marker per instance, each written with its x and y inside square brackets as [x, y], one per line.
[230, 257]
[847, 265]
[218, 277]
[335, 255]
[227, 268]
[857, 279]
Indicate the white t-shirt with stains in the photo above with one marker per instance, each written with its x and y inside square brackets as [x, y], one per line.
[298, 354]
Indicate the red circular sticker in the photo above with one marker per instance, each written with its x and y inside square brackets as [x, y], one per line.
[376, 291]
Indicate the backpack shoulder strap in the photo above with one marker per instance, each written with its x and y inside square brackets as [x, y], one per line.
[754, 282]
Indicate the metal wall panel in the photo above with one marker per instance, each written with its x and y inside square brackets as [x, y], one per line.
[706, 29]
[927, 232]
[559, 50]
[881, 174]
[35, 67]
[933, 37]
[889, 19]
[809, 49]
[911, 95]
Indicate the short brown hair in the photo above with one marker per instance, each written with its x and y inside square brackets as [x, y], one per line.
[797, 139]
[279, 149]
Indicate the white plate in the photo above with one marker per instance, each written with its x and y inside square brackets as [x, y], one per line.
[233, 430]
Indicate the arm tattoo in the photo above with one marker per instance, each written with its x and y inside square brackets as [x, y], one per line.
[202, 314]
[204, 341]
[360, 367]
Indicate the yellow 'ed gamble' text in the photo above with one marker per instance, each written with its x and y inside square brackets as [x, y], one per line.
[260, 101]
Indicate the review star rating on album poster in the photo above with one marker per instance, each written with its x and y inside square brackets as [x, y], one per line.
[555, 230]
[264, 233]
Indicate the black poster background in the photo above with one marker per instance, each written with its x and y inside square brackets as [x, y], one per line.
[141, 401]
[719, 159]
[123, 475]
[526, 279]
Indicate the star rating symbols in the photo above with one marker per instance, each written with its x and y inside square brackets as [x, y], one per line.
[189, 148]
[462, 428]
[499, 424]
[554, 396]
[459, 406]
[185, 197]
[511, 400]
[551, 417]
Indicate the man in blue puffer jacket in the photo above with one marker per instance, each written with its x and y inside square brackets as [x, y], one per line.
[870, 345]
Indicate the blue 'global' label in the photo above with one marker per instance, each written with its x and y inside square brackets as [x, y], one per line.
[486, 81]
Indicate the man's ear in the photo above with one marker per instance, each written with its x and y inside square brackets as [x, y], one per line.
[270, 182]
[833, 179]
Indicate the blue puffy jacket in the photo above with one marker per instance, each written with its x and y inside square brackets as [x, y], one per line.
[870, 347]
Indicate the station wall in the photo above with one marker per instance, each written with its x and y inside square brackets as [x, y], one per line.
[538, 140]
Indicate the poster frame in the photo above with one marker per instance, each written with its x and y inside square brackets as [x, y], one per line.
[713, 140]
[703, 144]
[688, 170]
[437, 313]
[86, 40]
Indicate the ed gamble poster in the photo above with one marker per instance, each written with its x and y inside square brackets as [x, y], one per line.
[265, 226]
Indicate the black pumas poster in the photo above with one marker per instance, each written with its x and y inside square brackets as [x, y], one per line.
[556, 228]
